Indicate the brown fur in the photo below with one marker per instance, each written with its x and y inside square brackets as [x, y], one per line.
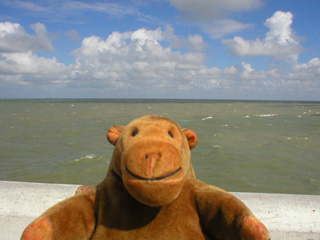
[150, 192]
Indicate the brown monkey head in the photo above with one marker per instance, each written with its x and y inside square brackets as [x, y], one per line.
[152, 156]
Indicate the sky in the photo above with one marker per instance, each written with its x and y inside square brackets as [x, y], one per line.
[176, 49]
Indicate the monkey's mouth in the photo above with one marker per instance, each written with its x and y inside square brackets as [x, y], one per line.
[152, 179]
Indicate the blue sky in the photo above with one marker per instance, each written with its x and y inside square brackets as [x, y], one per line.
[231, 49]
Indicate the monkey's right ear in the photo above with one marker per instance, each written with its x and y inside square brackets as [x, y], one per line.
[114, 133]
[191, 136]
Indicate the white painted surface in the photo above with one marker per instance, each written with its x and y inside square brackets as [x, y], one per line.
[294, 217]
[22, 202]
[287, 216]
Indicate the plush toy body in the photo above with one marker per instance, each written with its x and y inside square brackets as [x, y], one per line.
[150, 192]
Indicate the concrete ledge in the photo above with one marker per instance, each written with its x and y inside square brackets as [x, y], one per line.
[22, 202]
[286, 216]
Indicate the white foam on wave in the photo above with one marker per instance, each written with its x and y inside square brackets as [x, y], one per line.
[297, 138]
[206, 118]
[217, 146]
[266, 115]
[88, 156]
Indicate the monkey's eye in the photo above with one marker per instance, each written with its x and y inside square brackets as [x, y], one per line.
[171, 134]
[134, 132]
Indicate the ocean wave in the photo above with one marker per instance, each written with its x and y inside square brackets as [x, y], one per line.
[298, 138]
[266, 115]
[88, 156]
[217, 146]
[206, 118]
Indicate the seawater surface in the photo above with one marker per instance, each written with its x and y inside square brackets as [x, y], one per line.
[243, 146]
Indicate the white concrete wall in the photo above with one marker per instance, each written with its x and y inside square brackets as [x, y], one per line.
[287, 216]
[22, 202]
[294, 217]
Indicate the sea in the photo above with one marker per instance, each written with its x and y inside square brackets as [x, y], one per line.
[244, 146]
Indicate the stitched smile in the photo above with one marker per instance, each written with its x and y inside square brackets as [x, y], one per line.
[152, 179]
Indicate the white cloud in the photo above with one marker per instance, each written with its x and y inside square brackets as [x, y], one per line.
[27, 69]
[280, 28]
[137, 60]
[29, 63]
[144, 63]
[208, 10]
[232, 71]
[247, 67]
[306, 71]
[193, 42]
[220, 28]
[142, 35]
[18, 62]
[249, 73]
[279, 41]
[302, 80]
[14, 39]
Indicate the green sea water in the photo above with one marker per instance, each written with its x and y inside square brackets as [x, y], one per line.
[243, 146]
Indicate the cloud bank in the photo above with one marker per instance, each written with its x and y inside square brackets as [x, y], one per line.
[152, 64]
